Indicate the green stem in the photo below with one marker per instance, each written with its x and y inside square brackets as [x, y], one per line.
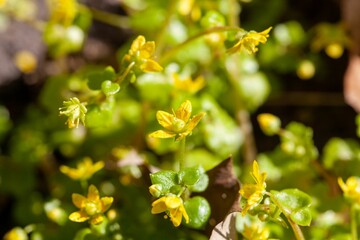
[109, 18]
[160, 35]
[125, 73]
[181, 156]
[84, 185]
[296, 228]
[354, 235]
[174, 50]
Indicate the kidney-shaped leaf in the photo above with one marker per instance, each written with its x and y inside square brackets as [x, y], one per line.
[296, 204]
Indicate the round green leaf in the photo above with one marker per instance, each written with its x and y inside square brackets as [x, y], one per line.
[200, 185]
[296, 204]
[302, 217]
[198, 210]
[166, 179]
[110, 88]
[190, 176]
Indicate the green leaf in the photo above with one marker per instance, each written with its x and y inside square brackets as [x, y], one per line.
[96, 79]
[110, 88]
[295, 204]
[166, 179]
[190, 176]
[198, 210]
[200, 185]
[81, 234]
[302, 217]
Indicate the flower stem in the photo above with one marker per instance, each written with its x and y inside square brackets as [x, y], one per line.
[296, 228]
[354, 235]
[174, 50]
[84, 186]
[125, 73]
[181, 156]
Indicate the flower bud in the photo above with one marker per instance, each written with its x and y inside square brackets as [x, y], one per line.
[269, 124]
[155, 190]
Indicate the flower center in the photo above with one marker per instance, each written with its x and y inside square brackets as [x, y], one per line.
[178, 125]
[91, 208]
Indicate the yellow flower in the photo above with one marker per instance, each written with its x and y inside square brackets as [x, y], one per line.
[250, 40]
[91, 207]
[351, 188]
[254, 192]
[141, 52]
[269, 124]
[2, 3]
[187, 84]
[178, 124]
[84, 170]
[16, 233]
[75, 110]
[63, 11]
[25, 61]
[255, 232]
[173, 206]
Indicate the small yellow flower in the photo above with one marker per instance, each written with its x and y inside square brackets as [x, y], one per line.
[250, 40]
[141, 52]
[63, 11]
[173, 206]
[254, 192]
[75, 110]
[178, 124]
[189, 85]
[255, 232]
[2, 3]
[351, 188]
[25, 61]
[269, 123]
[85, 169]
[16, 233]
[92, 207]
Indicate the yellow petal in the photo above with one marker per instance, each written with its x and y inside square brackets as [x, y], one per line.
[162, 134]
[176, 217]
[147, 50]
[93, 193]
[78, 200]
[185, 215]
[195, 120]
[173, 202]
[342, 185]
[106, 203]
[184, 111]
[165, 119]
[78, 216]
[137, 44]
[247, 190]
[96, 219]
[158, 206]
[98, 165]
[150, 66]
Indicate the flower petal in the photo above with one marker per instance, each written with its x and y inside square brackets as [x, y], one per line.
[150, 66]
[184, 111]
[176, 217]
[78, 200]
[173, 202]
[93, 193]
[96, 219]
[78, 216]
[136, 44]
[147, 50]
[194, 121]
[106, 203]
[165, 119]
[162, 134]
[158, 206]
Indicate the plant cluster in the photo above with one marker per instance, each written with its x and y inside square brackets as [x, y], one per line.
[156, 146]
